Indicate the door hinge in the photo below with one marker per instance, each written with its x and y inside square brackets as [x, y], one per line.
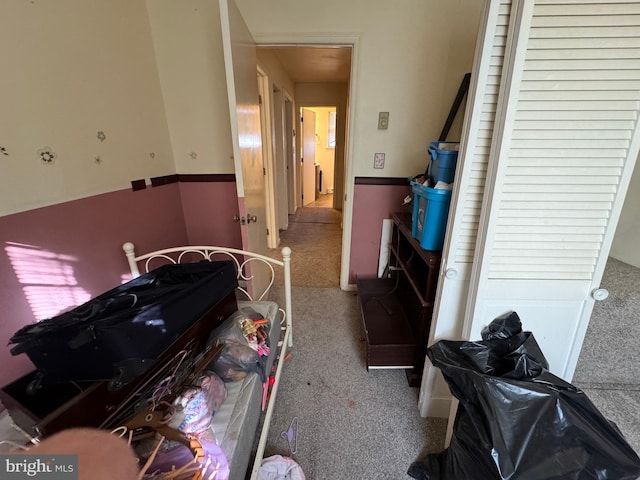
[264, 171]
[267, 232]
[259, 99]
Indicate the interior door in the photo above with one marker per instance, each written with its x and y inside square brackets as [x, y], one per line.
[308, 156]
[565, 142]
[244, 110]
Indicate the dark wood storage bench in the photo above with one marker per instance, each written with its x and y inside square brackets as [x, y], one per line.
[390, 340]
[397, 310]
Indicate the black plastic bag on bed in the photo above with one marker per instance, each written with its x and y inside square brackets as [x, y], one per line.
[236, 361]
[119, 334]
[516, 420]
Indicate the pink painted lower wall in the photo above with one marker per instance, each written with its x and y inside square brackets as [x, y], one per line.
[209, 208]
[59, 256]
[372, 203]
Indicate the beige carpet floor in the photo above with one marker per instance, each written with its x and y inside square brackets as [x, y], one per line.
[315, 237]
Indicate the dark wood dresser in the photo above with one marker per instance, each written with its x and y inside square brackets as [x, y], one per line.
[58, 406]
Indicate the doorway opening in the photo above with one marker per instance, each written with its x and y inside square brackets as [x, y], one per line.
[318, 154]
[312, 199]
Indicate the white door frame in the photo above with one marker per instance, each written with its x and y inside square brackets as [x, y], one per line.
[348, 40]
[290, 150]
[280, 158]
[307, 147]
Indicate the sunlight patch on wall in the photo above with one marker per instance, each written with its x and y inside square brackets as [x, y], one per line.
[48, 280]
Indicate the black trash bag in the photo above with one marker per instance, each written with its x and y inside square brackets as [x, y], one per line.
[502, 327]
[516, 420]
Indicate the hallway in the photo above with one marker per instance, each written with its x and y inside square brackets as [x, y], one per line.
[315, 236]
[326, 384]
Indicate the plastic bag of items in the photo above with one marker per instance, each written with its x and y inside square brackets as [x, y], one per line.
[277, 467]
[516, 420]
[245, 346]
[236, 361]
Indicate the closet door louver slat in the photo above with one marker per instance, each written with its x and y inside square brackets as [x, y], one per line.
[479, 158]
[576, 113]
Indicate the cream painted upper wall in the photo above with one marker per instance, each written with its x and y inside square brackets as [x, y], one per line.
[412, 55]
[188, 46]
[72, 68]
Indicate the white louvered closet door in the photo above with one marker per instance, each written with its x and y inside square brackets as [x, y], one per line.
[466, 201]
[565, 143]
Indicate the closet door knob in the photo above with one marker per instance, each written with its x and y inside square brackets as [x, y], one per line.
[600, 294]
[451, 273]
[252, 218]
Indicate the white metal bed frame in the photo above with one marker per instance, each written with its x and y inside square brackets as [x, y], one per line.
[243, 259]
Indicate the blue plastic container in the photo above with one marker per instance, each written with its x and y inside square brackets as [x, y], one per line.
[430, 214]
[442, 166]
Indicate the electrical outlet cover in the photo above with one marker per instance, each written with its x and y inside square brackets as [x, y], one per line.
[378, 160]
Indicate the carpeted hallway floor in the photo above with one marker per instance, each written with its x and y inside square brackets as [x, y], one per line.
[352, 424]
[315, 236]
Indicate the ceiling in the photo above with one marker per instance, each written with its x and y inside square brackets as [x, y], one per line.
[306, 64]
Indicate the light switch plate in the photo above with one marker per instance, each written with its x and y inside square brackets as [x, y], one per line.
[378, 160]
[383, 120]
